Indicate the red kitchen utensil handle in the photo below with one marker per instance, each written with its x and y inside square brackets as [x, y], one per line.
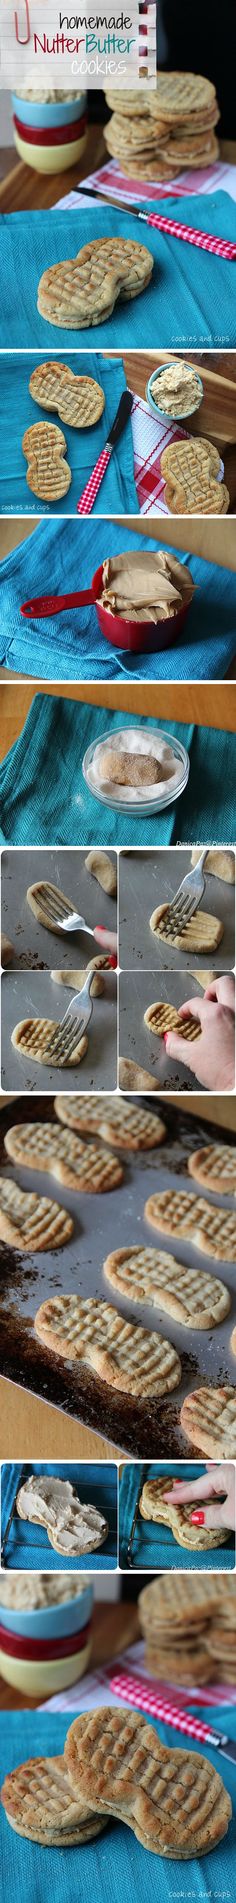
[138, 1691]
[86, 501]
[54, 604]
[221, 247]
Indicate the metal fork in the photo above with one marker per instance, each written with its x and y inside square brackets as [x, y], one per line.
[60, 914]
[61, 1045]
[187, 898]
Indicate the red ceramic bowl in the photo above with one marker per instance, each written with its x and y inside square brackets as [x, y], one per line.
[21, 1648]
[139, 637]
[59, 135]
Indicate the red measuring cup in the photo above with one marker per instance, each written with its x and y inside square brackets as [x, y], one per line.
[137, 636]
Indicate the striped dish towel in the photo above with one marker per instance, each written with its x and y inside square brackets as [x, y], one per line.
[150, 437]
[110, 179]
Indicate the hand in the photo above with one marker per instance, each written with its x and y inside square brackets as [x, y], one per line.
[108, 941]
[211, 1057]
[215, 1481]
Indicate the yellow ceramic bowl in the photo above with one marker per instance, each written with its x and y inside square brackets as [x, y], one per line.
[40, 1677]
[51, 158]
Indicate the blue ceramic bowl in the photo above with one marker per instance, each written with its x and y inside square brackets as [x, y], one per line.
[56, 113]
[162, 413]
[51, 1621]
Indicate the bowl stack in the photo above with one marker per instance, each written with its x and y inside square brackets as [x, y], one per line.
[172, 130]
[189, 1625]
[45, 1648]
[50, 133]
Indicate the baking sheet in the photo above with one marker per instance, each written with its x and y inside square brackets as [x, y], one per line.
[26, 995]
[147, 878]
[138, 989]
[145, 1429]
[34, 946]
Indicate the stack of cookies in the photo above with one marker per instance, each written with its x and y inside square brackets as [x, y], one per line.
[158, 134]
[189, 1625]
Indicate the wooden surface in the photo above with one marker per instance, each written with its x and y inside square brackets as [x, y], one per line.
[114, 1627]
[207, 706]
[214, 540]
[30, 1429]
[220, 1110]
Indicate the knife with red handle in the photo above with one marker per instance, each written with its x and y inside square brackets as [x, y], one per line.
[174, 228]
[90, 492]
[140, 1692]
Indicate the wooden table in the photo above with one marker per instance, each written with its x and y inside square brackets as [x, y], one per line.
[212, 705]
[114, 1627]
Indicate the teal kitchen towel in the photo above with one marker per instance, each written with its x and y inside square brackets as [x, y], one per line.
[190, 299]
[143, 1543]
[44, 799]
[115, 1864]
[19, 412]
[60, 557]
[27, 1546]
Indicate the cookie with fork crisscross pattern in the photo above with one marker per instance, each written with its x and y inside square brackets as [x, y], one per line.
[214, 1167]
[172, 1799]
[211, 1230]
[163, 1017]
[208, 1416]
[179, 1606]
[48, 475]
[82, 291]
[178, 96]
[126, 1126]
[124, 1355]
[190, 469]
[202, 933]
[144, 1275]
[31, 1222]
[153, 1506]
[39, 1803]
[79, 401]
[31, 1038]
[79, 1165]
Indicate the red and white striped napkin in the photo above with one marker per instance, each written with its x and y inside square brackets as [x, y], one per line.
[150, 437]
[109, 179]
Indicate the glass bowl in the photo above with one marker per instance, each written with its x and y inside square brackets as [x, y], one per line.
[143, 806]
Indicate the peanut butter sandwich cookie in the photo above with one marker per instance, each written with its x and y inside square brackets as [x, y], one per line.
[31, 1222]
[208, 1416]
[153, 1506]
[202, 933]
[32, 1038]
[144, 1275]
[127, 1126]
[211, 1230]
[173, 1800]
[72, 1528]
[163, 1017]
[190, 469]
[79, 401]
[125, 1356]
[48, 475]
[79, 1165]
[83, 291]
[215, 1167]
[39, 1803]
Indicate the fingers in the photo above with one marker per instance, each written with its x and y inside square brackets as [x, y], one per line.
[108, 940]
[182, 1049]
[190, 1490]
[212, 1517]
